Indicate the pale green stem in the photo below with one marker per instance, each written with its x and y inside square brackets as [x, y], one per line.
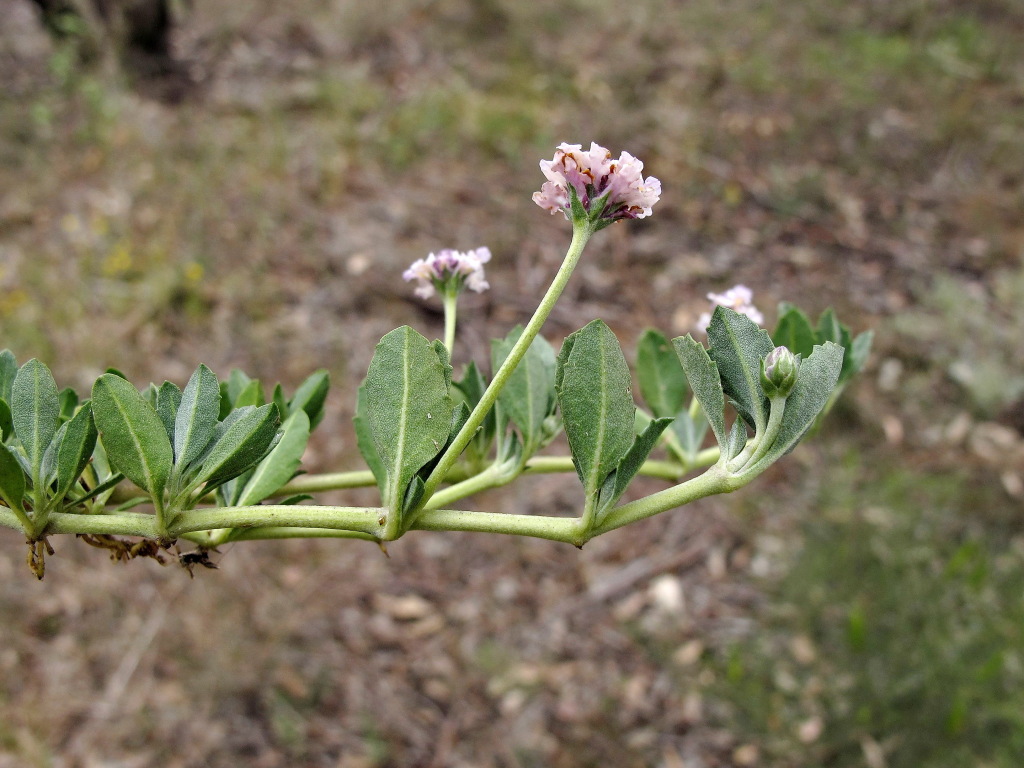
[126, 524]
[666, 470]
[777, 410]
[580, 234]
[489, 478]
[40, 510]
[451, 302]
[327, 482]
[362, 519]
[694, 408]
[715, 480]
[564, 529]
[760, 443]
[281, 532]
[707, 457]
[13, 518]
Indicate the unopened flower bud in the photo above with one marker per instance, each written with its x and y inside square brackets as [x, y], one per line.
[778, 372]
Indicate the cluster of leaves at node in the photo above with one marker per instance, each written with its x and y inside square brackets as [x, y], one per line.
[62, 454]
[410, 409]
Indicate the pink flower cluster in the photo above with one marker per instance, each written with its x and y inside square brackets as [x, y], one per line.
[438, 270]
[618, 186]
[738, 298]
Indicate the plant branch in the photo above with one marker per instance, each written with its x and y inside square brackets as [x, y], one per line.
[580, 235]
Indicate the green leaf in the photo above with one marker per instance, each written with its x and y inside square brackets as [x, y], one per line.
[278, 399]
[311, 396]
[236, 384]
[251, 394]
[8, 370]
[244, 443]
[407, 408]
[196, 417]
[48, 469]
[12, 479]
[35, 408]
[617, 482]
[794, 331]
[690, 432]
[281, 463]
[168, 400]
[659, 374]
[68, 400]
[6, 421]
[414, 493]
[364, 442]
[471, 387]
[225, 401]
[856, 355]
[528, 397]
[817, 376]
[594, 393]
[736, 441]
[705, 381]
[738, 346]
[829, 328]
[133, 435]
[75, 449]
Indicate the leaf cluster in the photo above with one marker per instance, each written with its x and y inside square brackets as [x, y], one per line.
[62, 454]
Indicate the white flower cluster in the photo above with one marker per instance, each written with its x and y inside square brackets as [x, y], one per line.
[738, 298]
[439, 269]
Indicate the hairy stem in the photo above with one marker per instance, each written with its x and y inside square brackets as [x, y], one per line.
[714, 480]
[580, 235]
[451, 303]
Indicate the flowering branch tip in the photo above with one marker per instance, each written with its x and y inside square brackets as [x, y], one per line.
[449, 270]
[605, 188]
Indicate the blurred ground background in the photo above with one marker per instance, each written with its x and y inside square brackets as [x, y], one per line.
[860, 605]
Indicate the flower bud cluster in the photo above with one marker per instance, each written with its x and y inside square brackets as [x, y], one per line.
[607, 189]
[739, 298]
[449, 270]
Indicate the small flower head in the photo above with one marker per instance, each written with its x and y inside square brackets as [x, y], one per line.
[739, 298]
[606, 189]
[449, 270]
[779, 371]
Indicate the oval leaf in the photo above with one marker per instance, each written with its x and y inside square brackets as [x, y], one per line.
[659, 374]
[594, 393]
[794, 331]
[133, 435]
[528, 397]
[702, 375]
[168, 398]
[738, 346]
[280, 464]
[8, 371]
[244, 444]
[12, 479]
[408, 410]
[75, 450]
[35, 409]
[196, 417]
[310, 396]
